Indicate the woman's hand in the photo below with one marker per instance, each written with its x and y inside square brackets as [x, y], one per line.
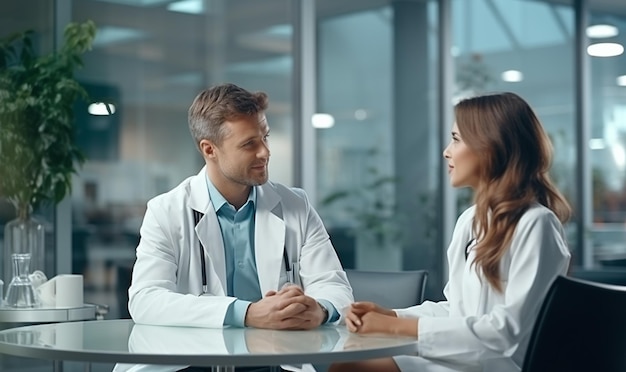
[355, 313]
[368, 318]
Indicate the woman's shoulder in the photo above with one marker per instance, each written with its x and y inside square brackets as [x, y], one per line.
[467, 214]
[539, 215]
[539, 211]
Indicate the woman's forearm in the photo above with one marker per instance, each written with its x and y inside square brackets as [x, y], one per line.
[404, 327]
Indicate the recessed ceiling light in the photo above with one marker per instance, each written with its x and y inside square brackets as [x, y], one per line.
[605, 49]
[322, 121]
[144, 3]
[597, 144]
[602, 31]
[187, 6]
[621, 81]
[512, 76]
[107, 35]
[360, 114]
[101, 109]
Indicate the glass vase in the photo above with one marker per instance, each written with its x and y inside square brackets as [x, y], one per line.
[20, 292]
[24, 234]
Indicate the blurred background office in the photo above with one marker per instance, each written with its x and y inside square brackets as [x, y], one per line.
[361, 93]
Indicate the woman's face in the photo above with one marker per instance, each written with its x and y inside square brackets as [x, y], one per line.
[463, 162]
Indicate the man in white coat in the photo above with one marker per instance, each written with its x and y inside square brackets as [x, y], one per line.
[221, 248]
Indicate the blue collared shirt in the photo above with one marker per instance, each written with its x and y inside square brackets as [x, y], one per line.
[242, 278]
[237, 228]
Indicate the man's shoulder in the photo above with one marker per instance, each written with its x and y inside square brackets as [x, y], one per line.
[284, 191]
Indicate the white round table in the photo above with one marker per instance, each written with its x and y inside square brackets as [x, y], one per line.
[15, 317]
[123, 341]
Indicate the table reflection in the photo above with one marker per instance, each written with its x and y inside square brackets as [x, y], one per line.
[231, 341]
[122, 341]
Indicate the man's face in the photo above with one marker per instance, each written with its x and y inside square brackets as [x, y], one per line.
[244, 154]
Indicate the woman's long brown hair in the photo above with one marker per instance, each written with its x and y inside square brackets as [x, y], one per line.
[515, 155]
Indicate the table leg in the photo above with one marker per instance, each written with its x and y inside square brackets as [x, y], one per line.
[57, 366]
[222, 369]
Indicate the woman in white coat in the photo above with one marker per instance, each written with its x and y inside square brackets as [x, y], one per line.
[505, 251]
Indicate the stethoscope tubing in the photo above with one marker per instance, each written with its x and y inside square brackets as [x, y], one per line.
[197, 216]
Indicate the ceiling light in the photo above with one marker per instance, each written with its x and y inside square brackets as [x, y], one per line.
[605, 49]
[187, 6]
[322, 121]
[512, 76]
[143, 3]
[101, 109]
[602, 31]
[107, 35]
[621, 81]
[360, 114]
[597, 144]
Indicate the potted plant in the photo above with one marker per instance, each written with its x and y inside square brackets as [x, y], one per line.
[38, 155]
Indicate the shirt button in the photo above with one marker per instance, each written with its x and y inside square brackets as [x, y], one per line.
[240, 264]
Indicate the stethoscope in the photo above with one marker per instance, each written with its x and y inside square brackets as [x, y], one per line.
[196, 218]
[469, 247]
[289, 268]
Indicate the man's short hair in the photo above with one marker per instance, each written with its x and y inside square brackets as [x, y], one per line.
[214, 106]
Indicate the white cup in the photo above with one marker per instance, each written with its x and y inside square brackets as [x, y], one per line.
[62, 291]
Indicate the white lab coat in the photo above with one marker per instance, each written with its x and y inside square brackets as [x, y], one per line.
[478, 328]
[167, 282]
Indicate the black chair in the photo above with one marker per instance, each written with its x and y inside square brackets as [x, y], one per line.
[393, 289]
[615, 276]
[581, 327]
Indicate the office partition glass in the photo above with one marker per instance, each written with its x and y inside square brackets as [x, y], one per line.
[18, 17]
[525, 47]
[150, 59]
[377, 153]
[608, 138]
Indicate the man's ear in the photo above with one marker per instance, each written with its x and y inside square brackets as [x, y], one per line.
[207, 148]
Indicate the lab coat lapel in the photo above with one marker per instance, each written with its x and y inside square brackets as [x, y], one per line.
[269, 237]
[208, 232]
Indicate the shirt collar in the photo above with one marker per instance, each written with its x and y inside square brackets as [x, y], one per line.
[218, 199]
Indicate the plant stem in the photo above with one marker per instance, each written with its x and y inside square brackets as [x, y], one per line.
[23, 211]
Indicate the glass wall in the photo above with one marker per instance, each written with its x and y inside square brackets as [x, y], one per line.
[608, 139]
[149, 60]
[378, 163]
[17, 17]
[20, 16]
[377, 176]
[527, 48]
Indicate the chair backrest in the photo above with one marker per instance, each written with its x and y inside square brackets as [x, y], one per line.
[393, 289]
[614, 276]
[581, 327]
